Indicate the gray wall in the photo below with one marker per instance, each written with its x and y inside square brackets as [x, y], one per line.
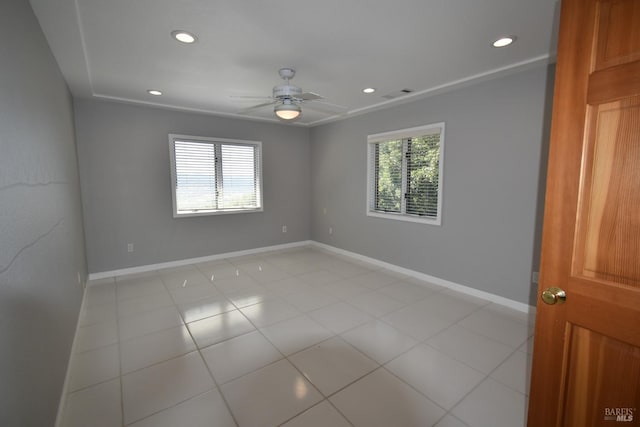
[41, 240]
[126, 186]
[495, 133]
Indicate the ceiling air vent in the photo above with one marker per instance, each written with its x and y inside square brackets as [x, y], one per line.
[397, 94]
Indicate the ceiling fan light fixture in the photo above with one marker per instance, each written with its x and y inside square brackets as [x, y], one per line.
[287, 111]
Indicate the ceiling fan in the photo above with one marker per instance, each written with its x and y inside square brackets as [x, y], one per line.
[287, 100]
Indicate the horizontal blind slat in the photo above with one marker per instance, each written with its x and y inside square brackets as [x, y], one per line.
[414, 171]
[198, 169]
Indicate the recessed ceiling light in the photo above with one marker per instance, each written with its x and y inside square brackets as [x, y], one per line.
[154, 92]
[504, 41]
[369, 90]
[183, 36]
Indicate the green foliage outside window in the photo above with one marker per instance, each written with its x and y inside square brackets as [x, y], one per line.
[389, 176]
[422, 165]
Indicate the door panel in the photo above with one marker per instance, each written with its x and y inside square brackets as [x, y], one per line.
[619, 34]
[603, 373]
[608, 245]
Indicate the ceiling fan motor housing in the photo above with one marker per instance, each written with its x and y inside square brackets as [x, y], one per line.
[286, 91]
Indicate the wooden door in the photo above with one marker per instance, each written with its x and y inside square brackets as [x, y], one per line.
[586, 363]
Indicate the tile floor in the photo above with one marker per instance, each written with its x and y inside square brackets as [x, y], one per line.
[294, 338]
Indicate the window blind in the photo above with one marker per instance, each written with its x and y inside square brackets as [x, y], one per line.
[239, 177]
[195, 171]
[387, 184]
[215, 176]
[422, 157]
[405, 173]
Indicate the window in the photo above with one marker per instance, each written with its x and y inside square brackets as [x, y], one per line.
[212, 176]
[405, 174]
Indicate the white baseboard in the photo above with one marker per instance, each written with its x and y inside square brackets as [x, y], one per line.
[65, 385]
[182, 262]
[516, 305]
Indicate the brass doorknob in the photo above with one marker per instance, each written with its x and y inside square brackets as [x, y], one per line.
[554, 296]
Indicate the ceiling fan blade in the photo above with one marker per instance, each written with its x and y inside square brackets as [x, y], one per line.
[310, 96]
[326, 107]
[255, 107]
[250, 97]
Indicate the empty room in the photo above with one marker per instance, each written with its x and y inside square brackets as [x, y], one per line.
[249, 213]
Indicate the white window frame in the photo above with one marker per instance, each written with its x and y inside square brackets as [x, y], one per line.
[395, 135]
[217, 142]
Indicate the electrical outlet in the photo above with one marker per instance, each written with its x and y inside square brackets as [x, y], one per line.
[324, 211]
[284, 228]
[330, 230]
[129, 247]
[535, 276]
[79, 279]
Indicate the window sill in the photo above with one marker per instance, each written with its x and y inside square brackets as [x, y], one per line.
[211, 213]
[404, 217]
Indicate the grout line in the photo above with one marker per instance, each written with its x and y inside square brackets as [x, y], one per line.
[215, 382]
[501, 364]
[322, 266]
[184, 401]
[488, 376]
[197, 349]
[389, 371]
[106, 380]
[287, 358]
[340, 412]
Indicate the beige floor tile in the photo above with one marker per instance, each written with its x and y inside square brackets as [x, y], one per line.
[96, 406]
[218, 328]
[270, 396]
[492, 404]
[161, 386]
[436, 375]
[204, 410]
[332, 365]
[381, 400]
[321, 415]
[238, 356]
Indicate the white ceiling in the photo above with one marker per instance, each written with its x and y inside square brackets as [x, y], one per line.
[117, 49]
